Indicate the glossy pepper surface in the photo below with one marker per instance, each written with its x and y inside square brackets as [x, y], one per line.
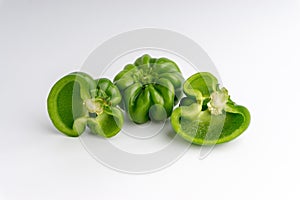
[150, 88]
[77, 101]
[207, 115]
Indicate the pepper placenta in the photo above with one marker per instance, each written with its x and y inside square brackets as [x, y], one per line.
[150, 88]
[207, 115]
[77, 101]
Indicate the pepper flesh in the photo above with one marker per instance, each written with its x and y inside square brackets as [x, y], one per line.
[208, 116]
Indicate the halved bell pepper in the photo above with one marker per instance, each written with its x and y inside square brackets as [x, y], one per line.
[77, 101]
[150, 88]
[207, 115]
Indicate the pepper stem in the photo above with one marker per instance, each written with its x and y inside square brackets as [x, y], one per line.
[218, 100]
[145, 75]
[94, 105]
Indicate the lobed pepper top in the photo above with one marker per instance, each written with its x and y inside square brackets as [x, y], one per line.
[150, 88]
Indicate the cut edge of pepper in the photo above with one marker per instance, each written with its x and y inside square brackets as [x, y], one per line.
[175, 122]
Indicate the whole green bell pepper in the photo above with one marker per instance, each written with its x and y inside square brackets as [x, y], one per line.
[150, 88]
[77, 101]
[208, 116]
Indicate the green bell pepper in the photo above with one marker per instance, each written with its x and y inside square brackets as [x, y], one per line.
[207, 115]
[77, 101]
[150, 88]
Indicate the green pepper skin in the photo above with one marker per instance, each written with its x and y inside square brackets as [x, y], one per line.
[207, 115]
[77, 101]
[150, 88]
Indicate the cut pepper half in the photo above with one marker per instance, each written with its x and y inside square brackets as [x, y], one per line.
[77, 101]
[208, 116]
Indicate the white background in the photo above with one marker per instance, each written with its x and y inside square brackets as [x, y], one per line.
[255, 46]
